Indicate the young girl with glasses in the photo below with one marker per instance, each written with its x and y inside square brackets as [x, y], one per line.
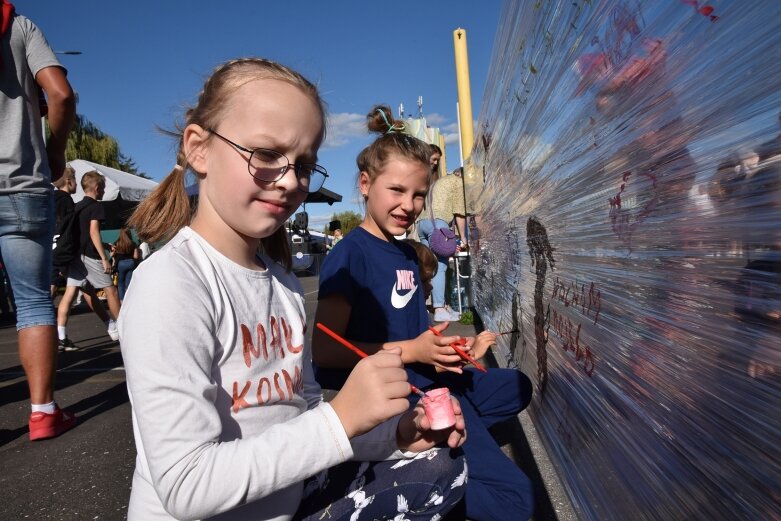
[371, 294]
[228, 420]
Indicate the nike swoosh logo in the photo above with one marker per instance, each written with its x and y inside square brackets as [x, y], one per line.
[399, 301]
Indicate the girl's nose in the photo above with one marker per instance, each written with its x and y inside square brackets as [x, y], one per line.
[288, 181]
[408, 203]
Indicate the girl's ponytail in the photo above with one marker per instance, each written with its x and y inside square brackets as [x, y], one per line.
[166, 210]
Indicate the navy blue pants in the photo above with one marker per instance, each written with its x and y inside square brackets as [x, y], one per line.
[497, 489]
[416, 489]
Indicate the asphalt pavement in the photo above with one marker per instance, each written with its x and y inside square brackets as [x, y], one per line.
[86, 472]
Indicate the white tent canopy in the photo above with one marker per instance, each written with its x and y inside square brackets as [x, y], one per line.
[118, 183]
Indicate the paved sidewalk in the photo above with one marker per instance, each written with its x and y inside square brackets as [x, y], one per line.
[86, 473]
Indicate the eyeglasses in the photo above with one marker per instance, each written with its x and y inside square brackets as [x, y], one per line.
[269, 166]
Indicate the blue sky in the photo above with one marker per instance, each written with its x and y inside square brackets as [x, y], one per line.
[143, 61]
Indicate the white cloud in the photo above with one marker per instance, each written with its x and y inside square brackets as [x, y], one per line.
[343, 127]
[451, 133]
[451, 139]
[434, 119]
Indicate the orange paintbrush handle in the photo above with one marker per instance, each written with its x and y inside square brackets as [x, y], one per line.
[356, 350]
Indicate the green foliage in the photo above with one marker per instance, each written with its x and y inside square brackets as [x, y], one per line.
[86, 141]
[348, 219]
[467, 318]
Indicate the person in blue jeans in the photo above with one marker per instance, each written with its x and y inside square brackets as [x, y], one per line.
[371, 293]
[125, 256]
[28, 165]
[447, 206]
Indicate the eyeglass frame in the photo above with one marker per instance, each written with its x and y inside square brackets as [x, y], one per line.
[284, 169]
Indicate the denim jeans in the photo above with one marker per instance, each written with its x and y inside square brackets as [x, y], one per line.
[125, 269]
[425, 229]
[26, 229]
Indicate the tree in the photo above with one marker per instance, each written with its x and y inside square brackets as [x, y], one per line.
[86, 141]
[348, 220]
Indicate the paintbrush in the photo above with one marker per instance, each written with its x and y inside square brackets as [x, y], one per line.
[357, 351]
[461, 353]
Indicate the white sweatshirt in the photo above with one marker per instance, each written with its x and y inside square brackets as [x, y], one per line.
[227, 416]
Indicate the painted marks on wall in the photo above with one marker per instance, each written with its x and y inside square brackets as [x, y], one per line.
[541, 255]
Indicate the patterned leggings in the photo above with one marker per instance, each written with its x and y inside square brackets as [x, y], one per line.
[423, 488]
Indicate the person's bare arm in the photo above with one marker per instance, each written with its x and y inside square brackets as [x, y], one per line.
[334, 313]
[62, 110]
[94, 235]
[461, 225]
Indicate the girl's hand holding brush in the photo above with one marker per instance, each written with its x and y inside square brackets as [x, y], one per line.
[376, 391]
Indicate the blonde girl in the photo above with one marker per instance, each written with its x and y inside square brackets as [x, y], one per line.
[372, 294]
[228, 421]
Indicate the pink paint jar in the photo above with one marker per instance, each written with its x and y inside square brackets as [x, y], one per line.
[439, 409]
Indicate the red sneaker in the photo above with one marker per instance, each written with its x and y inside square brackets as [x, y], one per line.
[43, 426]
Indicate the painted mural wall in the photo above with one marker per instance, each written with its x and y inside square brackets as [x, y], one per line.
[626, 191]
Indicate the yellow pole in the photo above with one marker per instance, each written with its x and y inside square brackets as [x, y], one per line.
[443, 161]
[464, 92]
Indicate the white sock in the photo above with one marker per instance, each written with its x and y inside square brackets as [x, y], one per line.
[48, 408]
[62, 332]
[111, 324]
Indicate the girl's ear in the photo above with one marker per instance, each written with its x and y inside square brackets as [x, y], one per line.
[194, 144]
[364, 182]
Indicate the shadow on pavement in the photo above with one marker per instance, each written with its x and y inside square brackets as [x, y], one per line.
[84, 361]
[85, 409]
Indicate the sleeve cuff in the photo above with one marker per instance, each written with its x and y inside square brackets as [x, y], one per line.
[336, 430]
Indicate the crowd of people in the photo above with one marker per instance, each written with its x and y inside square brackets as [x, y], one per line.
[46, 240]
[221, 377]
[228, 313]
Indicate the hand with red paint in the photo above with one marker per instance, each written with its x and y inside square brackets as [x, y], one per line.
[414, 431]
[376, 391]
[479, 345]
[434, 350]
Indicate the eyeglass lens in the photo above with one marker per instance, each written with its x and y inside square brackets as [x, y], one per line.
[269, 166]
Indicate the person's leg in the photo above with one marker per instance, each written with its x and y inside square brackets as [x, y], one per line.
[38, 354]
[102, 280]
[26, 257]
[496, 396]
[112, 298]
[441, 314]
[64, 307]
[125, 271]
[121, 274]
[496, 490]
[92, 300]
[416, 489]
[425, 227]
[26, 225]
[438, 284]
